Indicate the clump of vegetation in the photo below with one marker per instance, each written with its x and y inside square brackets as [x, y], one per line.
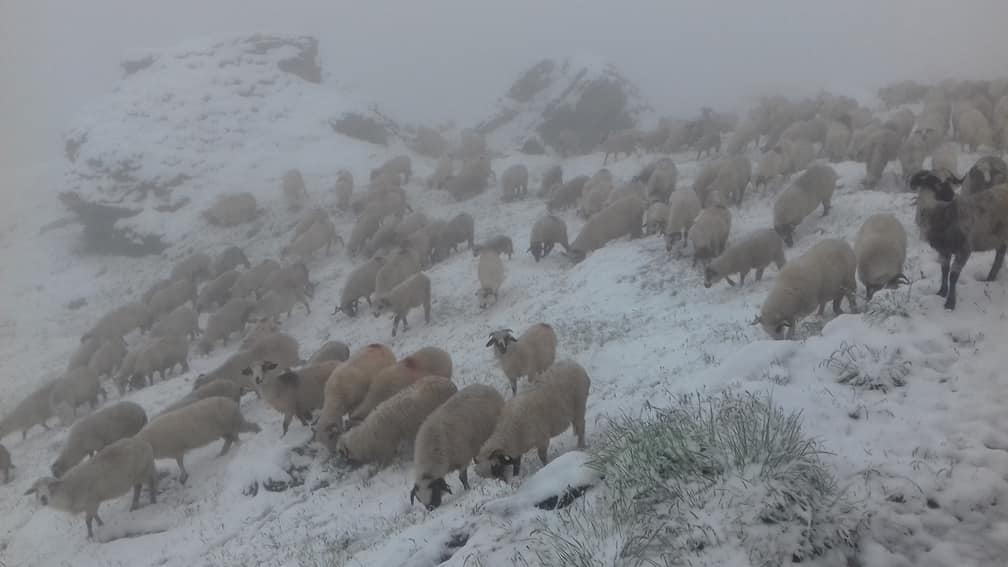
[533, 81]
[870, 368]
[600, 109]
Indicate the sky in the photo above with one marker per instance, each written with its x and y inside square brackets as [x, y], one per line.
[450, 59]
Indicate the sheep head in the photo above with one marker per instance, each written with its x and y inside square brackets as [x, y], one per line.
[500, 339]
[429, 491]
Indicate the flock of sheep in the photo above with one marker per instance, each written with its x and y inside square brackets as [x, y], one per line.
[363, 405]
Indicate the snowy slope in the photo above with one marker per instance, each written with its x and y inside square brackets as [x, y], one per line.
[926, 461]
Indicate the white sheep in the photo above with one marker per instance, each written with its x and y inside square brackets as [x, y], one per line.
[360, 283]
[94, 432]
[772, 164]
[450, 438]
[491, 274]
[347, 387]
[531, 419]
[684, 206]
[623, 141]
[124, 465]
[222, 388]
[838, 139]
[275, 303]
[731, 181]
[595, 193]
[945, 157]
[705, 178]
[410, 224]
[813, 187]
[656, 217]
[383, 240]
[442, 172]
[121, 321]
[912, 154]
[29, 412]
[200, 423]
[413, 292]
[195, 267]
[985, 173]
[232, 209]
[294, 192]
[547, 232]
[974, 130]
[172, 296]
[344, 189]
[108, 357]
[321, 234]
[567, 195]
[229, 259]
[514, 182]
[88, 346]
[755, 251]
[428, 361]
[881, 147]
[528, 355]
[278, 347]
[77, 386]
[365, 227]
[293, 393]
[825, 273]
[217, 291]
[161, 356]
[229, 319]
[395, 269]
[799, 154]
[500, 244]
[662, 180]
[394, 421]
[550, 178]
[331, 350]
[398, 165]
[881, 248]
[624, 217]
[709, 234]
[182, 321]
[251, 281]
[461, 228]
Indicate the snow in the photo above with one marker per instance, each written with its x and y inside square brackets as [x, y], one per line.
[927, 459]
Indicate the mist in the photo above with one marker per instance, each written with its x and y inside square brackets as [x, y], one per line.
[451, 59]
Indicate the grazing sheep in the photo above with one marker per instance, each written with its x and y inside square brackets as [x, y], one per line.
[709, 233]
[259, 329]
[531, 419]
[398, 165]
[491, 274]
[195, 268]
[595, 193]
[119, 322]
[89, 345]
[222, 388]
[528, 355]
[958, 225]
[293, 393]
[621, 142]
[974, 130]
[410, 224]
[624, 217]
[813, 187]
[881, 147]
[31, 411]
[547, 231]
[631, 188]
[772, 164]
[293, 278]
[550, 177]
[161, 356]
[5, 464]
[313, 216]
[656, 217]
[450, 438]
[232, 209]
[987, 172]
[200, 423]
[421, 243]
[277, 347]
[275, 303]
[98, 430]
[384, 239]
[321, 234]
[360, 283]
[182, 321]
[901, 122]
[394, 421]
[684, 206]
[838, 139]
[946, 157]
[252, 281]
[812, 131]
[108, 357]
[172, 296]
[500, 244]
[710, 142]
[396, 269]
[662, 181]
[567, 195]
[732, 179]
[756, 250]
[365, 227]
[514, 182]
[229, 319]
[705, 178]
[461, 228]
[229, 259]
[428, 361]
[825, 273]
[413, 292]
[217, 291]
[442, 172]
[344, 189]
[124, 465]
[880, 248]
[294, 192]
[912, 154]
[331, 350]
[76, 387]
[347, 387]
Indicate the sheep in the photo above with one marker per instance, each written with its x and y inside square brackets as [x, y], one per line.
[705, 178]
[756, 251]
[89, 345]
[344, 189]
[252, 281]
[216, 292]
[331, 350]
[684, 206]
[547, 231]
[531, 419]
[880, 148]
[450, 438]
[461, 228]
[108, 357]
[365, 227]
[173, 434]
[394, 421]
[195, 267]
[772, 164]
[799, 154]
[5, 464]
[946, 157]
[76, 387]
[733, 176]
[275, 303]
[398, 165]
[119, 322]
[388, 200]
[491, 274]
[629, 189]
[410, 224]
[912, 154]
[428, 361]
[347, 387]
[294, 192]
[624, 217]
[550, 177]
[396, 269]
[709, 233]
[881, 248]
[161, 356]
[567, 195]
[176, 294]
[313, 216]
[987, 172]
[293, 278]
[442, 171]
[811, 188]
[421, 243]
[655, 218]
[514, 182]
[29, 412]
[277, 347]
[360, 283]
[615, 143]
[413, 292]
[229, 319]
[182, 321]
[958, 225]
[825, 273]
[320, 234]
[812, 131]
[974, 130]
[232, 209]
[662, 181]
[500, 244]
[222, 388]
[229, 259]
[901, 122]
[528, 355]
[595, 193]
[293, 393]
[710, 142]
[98, 430]
[838, 138]
[471, 178]
[125, 464]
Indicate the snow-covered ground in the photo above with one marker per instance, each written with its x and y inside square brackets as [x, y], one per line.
[924, 457]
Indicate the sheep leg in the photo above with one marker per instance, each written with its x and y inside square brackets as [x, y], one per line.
[136, 497]
[516, 466]
[286, 423]
[836, 305]
[998, 262]
[464, 477]
[579, 429]
[87, 521]
[946, 262]
[957, 266]
[826, 207]
[741, 279]
[543, 452]
[822, 309]
[183, 474]
[307, 308]
[759, 273]
[228, 441]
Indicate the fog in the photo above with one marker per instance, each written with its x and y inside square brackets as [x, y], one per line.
[429, 61]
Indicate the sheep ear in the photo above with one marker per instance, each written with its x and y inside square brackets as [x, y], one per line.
[246, 372]
[30, 491]
[412, 495]
[491, 341]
